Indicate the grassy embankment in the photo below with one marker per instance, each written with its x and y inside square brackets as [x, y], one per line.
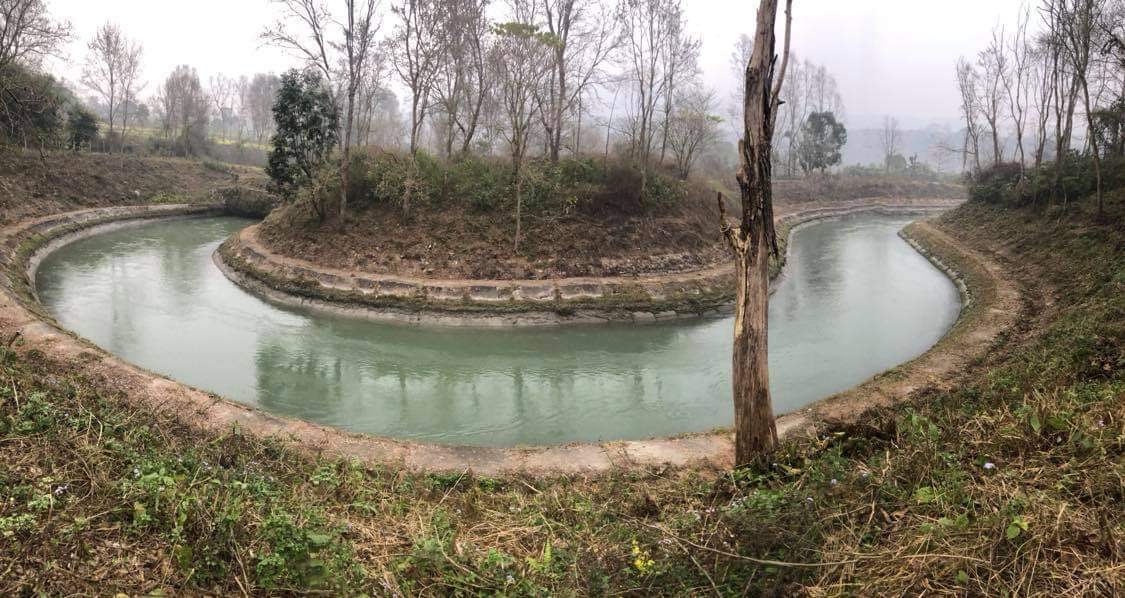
[1011, 483]
[32, 186]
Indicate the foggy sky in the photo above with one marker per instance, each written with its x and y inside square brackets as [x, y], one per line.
[891, 57]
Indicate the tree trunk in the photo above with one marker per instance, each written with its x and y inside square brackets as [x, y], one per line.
[753, 242]
[756, 432]
[519, 204]
[1091, 128]
[347, 153]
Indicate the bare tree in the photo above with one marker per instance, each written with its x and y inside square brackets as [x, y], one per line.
[891, 137]
[694, 127]
[754, 240]
[342, 59]
[261, 95]
[185, 109]
[28, 33]
[967, 84]
[646, 26]
[459, 87]
[993, 63]
[222, 93]
[681, 64]
[1017, 80]
[519, 60]
[371, 90]
[1064, 85]
[586, 37]
[743, 47]
[132, 84]
[103, 71]
[416, 58]
[1042, 81]
[1077, 24]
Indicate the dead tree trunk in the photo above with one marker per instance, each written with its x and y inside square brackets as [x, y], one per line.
[754, 241]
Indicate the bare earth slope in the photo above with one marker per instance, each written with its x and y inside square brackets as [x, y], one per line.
[456, 243]
[33, 185]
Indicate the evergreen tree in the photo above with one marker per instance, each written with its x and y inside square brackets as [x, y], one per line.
[306, 130]
[822, 138]
[81, 128]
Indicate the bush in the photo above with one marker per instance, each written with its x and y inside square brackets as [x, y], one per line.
[81, 127]
[241, 200]
[32, 108]
[1003, 184]
[480, 184]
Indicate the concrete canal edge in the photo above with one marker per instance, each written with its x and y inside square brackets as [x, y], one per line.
[24, 244]
[706, 292]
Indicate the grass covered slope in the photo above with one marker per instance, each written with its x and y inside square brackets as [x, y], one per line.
[1011, 483]
[37, 185]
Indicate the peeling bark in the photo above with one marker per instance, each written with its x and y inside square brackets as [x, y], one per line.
[754, 241]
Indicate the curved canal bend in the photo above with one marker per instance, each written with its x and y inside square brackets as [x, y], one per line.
[855, 300]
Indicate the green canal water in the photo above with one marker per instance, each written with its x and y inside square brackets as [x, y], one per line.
[854, 300]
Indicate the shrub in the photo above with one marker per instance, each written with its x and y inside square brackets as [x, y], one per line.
[81, 128]
[1003, 184]
[32, 108]
[241, 200]
[482, 184]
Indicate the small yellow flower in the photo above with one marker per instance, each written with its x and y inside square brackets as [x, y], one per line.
[642, 560]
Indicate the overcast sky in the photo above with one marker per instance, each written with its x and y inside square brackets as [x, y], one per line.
[889, 56]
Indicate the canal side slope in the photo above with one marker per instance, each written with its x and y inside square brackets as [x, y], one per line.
[1004, 473]
[248, 260]
[29, 241]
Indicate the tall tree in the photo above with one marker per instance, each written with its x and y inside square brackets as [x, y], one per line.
[307, 122]
[1078, 23]
[339, 47]
[1064, 85]
[519, 62]
[586, 36]
[681, 65]
[185, 109]
[967, 84]
[1042, 83]
[646, 26]
[891, 137]
[261, 96]
[460, 88]
[1017, 81]
[694, 127]
[111, 69]
[28, 33]
[132, 85]
[754, 240]
[416, 58]
[822, 138]
[993, 63]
